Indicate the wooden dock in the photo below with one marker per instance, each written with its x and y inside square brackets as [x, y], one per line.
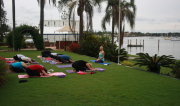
[135, 45]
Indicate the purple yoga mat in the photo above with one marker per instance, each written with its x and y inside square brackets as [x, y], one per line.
[64, 66]
[100, 70]
[35, 62]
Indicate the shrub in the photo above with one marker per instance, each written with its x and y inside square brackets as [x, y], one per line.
[152, 61]
[74, 47]
[24, 45]
[176, 69]
[48, 49]
[90, 38]
[127, 63]
[3, 67]
[22, 29]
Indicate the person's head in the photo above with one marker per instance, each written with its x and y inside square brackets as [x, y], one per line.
[45, 70]
[32, 60]
[101, 48]
[90, 64]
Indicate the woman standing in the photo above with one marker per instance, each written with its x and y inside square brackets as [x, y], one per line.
[101, 56]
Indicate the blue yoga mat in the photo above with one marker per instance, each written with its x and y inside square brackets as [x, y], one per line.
[99, 63]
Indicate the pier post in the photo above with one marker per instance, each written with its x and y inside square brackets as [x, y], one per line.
[140, 41]
[158, 44]
[128, 41]
[143, 42]
[136, 41]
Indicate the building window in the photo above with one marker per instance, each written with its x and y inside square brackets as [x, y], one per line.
[63, 23]
[54, 23]
[48, 23]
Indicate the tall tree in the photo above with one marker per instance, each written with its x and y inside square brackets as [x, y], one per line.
[1, 5]
[82, 6]
[13, 14]
[112, 9]
[4, 27]
[128, 13]
[42, 4]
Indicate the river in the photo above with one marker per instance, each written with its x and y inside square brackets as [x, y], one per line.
[166, 47]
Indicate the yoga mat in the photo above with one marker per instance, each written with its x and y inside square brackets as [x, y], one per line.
[10, 61]
[64, 66]
[9, 58]
[38, 56]
[35, 62]
[99, 63]
[53, 74]
[52, 63]
[100, 70]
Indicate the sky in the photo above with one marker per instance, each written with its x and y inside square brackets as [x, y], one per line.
[154, 16]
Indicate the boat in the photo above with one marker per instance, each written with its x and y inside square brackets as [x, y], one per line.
[167, 38]
[151, 37]
[175, 39]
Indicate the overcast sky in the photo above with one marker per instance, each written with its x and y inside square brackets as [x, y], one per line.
[152, 15]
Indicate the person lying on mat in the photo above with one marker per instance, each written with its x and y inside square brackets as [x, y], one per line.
[18, 67]
[63, 59]
[36, 70]
[26, 60]
[45, 53]
[54, 55]
[101, 56]
[18, 56]
[82, 66]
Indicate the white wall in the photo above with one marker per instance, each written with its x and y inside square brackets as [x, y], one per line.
[60, 37]
[59, 23]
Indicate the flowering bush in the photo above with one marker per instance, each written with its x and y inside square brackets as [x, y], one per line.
[3, 67]
[74, 47]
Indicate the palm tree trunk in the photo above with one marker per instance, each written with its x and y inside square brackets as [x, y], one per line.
[120, 30]
[113, 28]
[13, 11]
[81, 2]
[0, 13]
[41, 16]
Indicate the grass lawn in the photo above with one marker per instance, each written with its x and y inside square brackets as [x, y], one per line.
[116, 86]
[5, 48]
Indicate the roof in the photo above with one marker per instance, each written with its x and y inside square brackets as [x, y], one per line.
[65, 29]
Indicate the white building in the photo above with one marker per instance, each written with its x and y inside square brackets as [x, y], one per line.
[50, 26]
[59, 23]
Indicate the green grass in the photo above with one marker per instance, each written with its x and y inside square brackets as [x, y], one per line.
[116, 86]
[132, 55]
[5, 48]
[164, 70]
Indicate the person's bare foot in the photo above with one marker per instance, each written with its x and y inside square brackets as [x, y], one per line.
[73, 70]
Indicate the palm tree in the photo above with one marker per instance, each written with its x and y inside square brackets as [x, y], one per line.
[112, 9]
[128, 12]
[13, 8]
[42, 4]
[1, 5]
[82, 6]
